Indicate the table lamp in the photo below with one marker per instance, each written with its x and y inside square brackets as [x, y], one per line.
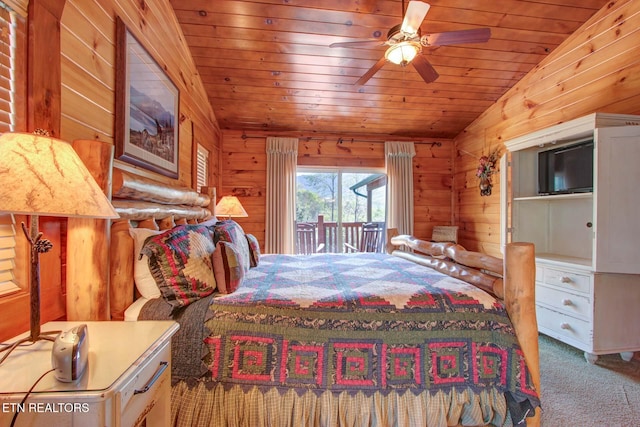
[230, 206]
[40, 175]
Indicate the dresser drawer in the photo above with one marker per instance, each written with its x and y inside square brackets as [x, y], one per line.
[568, 303]
[567, 279]
[141, 393]
[560, 324]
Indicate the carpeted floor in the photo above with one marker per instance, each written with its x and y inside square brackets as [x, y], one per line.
[575, 393]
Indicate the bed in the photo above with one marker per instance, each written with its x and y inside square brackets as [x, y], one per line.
[434, 335]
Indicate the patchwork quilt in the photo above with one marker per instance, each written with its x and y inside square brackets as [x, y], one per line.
[351, 324]
[362, 323]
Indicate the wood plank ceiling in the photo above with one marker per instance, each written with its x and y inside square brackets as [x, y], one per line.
[267, 64]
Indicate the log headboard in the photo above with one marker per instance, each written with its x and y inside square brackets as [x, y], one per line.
[144, 203]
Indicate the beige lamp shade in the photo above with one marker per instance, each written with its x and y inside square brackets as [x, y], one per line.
[230, 206]
[40, 175]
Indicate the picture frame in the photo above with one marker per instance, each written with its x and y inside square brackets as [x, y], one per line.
[147, 108]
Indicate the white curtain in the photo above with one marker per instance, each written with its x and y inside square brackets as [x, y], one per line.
[399, 165]
[282, 157]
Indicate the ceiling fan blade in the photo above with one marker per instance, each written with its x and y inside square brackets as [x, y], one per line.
[413, 17]
[476, 35]
[425, 69]
[360, 43]
[366, 76]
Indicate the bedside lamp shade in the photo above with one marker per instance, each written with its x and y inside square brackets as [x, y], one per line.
[40, 175]
[44, 176]
[230, 206]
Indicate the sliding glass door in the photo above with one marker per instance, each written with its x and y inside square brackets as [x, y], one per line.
[335, 203]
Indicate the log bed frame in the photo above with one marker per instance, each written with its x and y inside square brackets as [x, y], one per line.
[143, 203]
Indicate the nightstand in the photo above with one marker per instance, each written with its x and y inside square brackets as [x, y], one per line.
[127, 381]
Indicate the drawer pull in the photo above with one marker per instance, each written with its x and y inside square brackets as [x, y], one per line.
[566, 301]
[565, 326]
[154, 378]
[566, 279]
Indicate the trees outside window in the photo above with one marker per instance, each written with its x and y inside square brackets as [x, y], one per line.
[339, 198]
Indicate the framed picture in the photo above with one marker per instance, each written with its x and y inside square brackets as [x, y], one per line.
[146, 108]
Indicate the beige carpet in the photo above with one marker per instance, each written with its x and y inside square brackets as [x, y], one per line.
[575, 393]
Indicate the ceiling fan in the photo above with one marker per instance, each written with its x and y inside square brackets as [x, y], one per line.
[405, 43]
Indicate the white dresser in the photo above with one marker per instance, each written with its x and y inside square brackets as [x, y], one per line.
[594, 312]
[127, 381]
[587, 253]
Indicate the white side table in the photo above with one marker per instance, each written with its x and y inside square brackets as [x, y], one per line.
[124, 357]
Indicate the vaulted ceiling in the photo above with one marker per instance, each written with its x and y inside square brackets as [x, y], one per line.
[267, 64]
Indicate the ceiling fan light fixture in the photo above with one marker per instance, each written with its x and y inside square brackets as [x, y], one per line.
[403, 52]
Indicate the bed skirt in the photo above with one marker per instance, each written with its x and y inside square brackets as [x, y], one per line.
[198, 405]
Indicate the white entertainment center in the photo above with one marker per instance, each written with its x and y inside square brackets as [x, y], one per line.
[588, 242]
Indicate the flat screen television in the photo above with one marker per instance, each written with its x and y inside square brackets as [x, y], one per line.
[567, 169]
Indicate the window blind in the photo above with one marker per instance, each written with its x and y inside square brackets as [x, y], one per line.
[7, 53]
[7, 254]
[202, 167]
[7, 124]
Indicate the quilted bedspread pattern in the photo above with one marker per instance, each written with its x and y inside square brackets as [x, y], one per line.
[368, 323]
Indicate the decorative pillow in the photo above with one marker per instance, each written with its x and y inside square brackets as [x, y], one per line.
[180, 262]
[254, 250]
[227, 267]
[211, 222]
[145, 283]
[230, 231]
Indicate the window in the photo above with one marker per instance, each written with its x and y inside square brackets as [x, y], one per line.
[8, 71]
[338, 201]
[202, 167]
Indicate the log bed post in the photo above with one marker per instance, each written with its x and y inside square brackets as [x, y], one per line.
[516, 287]
[211, 192]
[519, 299]
[88, 243]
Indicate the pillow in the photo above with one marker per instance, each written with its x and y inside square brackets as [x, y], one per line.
[180, 262]
[231, 232]
[227, 267]
[254, 250]
[209, 222]
[145, 283]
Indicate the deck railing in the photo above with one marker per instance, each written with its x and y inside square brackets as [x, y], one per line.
[328, 233]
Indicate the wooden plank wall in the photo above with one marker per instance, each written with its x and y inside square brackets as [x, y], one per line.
[87, 38]
[595, 70]
[88, 66]
[243, 166]
[89, 70]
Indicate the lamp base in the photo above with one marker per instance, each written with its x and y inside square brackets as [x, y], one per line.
[44, 336]
[38, 245]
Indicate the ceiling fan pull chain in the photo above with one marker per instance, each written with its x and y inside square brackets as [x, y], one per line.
[404, 79]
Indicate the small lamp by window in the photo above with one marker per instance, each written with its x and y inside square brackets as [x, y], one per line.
[230, 206]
